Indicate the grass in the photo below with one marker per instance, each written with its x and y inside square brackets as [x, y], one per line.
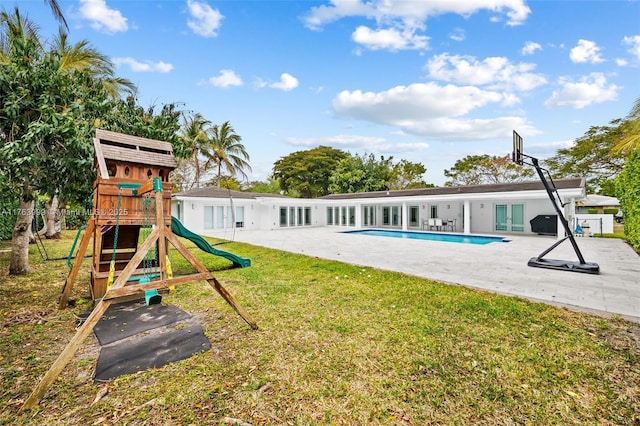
[337, 344]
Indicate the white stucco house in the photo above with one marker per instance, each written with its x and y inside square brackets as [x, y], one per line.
[513, 208]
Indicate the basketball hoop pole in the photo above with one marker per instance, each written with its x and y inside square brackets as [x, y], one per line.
[586, 267]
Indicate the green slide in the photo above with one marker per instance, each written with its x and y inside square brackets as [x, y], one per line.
[178, 228]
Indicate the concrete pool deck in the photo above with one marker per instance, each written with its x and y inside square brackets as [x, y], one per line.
[496, 267]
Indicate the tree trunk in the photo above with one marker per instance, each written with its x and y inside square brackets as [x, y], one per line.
[52, 219]
[19, 264]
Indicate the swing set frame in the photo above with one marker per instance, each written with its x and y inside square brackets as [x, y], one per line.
[121, 290]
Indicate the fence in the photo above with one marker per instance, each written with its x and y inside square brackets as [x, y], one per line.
[599, 224]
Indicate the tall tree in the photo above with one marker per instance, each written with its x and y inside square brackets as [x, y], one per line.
[486, 169]
[195, 137]
[592, 156]
[361, 174]
[48, 115]
[406, 175]
[126, 116]
[227, 152]
[307, 173]
[270, 186]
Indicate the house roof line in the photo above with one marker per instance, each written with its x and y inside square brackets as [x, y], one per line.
[446, 191]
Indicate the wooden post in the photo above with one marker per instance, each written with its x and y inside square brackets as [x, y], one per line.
[212, 281]
[162, 241]
[66, 355]
[86, 328]
[84, 243]
[231, 301]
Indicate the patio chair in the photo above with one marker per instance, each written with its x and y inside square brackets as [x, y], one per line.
[438, 224]
[451, 224]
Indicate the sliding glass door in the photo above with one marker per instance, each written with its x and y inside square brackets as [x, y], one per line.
[517, 217]
[501, 217]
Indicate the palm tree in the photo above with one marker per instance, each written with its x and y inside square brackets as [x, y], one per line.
[228, 152]
[55, 8]
[82, 57]
[17, 33]
[631, 127]
[194, 133]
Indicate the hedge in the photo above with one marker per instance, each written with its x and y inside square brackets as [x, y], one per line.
[628, 192]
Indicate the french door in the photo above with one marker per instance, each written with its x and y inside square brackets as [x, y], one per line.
[512, 223]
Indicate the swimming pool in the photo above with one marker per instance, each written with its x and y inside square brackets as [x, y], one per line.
[431, 236]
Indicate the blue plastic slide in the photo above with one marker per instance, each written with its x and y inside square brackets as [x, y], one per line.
[178, 228]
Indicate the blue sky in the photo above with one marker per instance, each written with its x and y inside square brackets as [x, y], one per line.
[426, 81]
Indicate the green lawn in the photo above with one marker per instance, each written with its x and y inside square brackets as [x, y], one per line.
[337, 344]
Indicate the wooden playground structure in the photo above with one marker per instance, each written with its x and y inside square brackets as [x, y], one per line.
[131, 232]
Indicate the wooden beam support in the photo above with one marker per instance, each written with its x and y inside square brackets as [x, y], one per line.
[145, 187]
[131, 267]
[66, 355]
[84, 243]
[212, 281]
[231, 301]
[86, 328]
[130, 289]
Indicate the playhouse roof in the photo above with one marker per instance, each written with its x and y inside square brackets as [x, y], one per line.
[132, 149]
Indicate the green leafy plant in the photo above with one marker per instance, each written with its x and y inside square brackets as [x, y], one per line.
[628, 194]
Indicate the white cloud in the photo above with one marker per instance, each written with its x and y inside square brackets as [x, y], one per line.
[205, 20]
[287, 82]
[634, 42]
[360, 143]
[342, 141]
[494, 72]
[530, 48]
[586, 51]
[547, 149]
[102, 17]
[227, 78]
[390, 39]
[412, 11]
[457, 34]
[591, 89]
[146, 66]
[398, 21]
[430, 110]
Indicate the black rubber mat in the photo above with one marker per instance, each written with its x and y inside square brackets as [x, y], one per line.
[128, 319]
[153, 349]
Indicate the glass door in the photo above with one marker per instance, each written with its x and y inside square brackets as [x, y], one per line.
[501, 217]
[517, 217]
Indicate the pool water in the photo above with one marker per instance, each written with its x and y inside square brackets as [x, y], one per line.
[431, 236]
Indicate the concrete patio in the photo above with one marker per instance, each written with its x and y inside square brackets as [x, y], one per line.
[496, 267]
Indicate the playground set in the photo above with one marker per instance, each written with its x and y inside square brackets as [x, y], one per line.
[132, 230]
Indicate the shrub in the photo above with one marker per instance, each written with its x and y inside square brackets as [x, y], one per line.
[628, 192]
[8, 209]
[611, 210]
[592, 210]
